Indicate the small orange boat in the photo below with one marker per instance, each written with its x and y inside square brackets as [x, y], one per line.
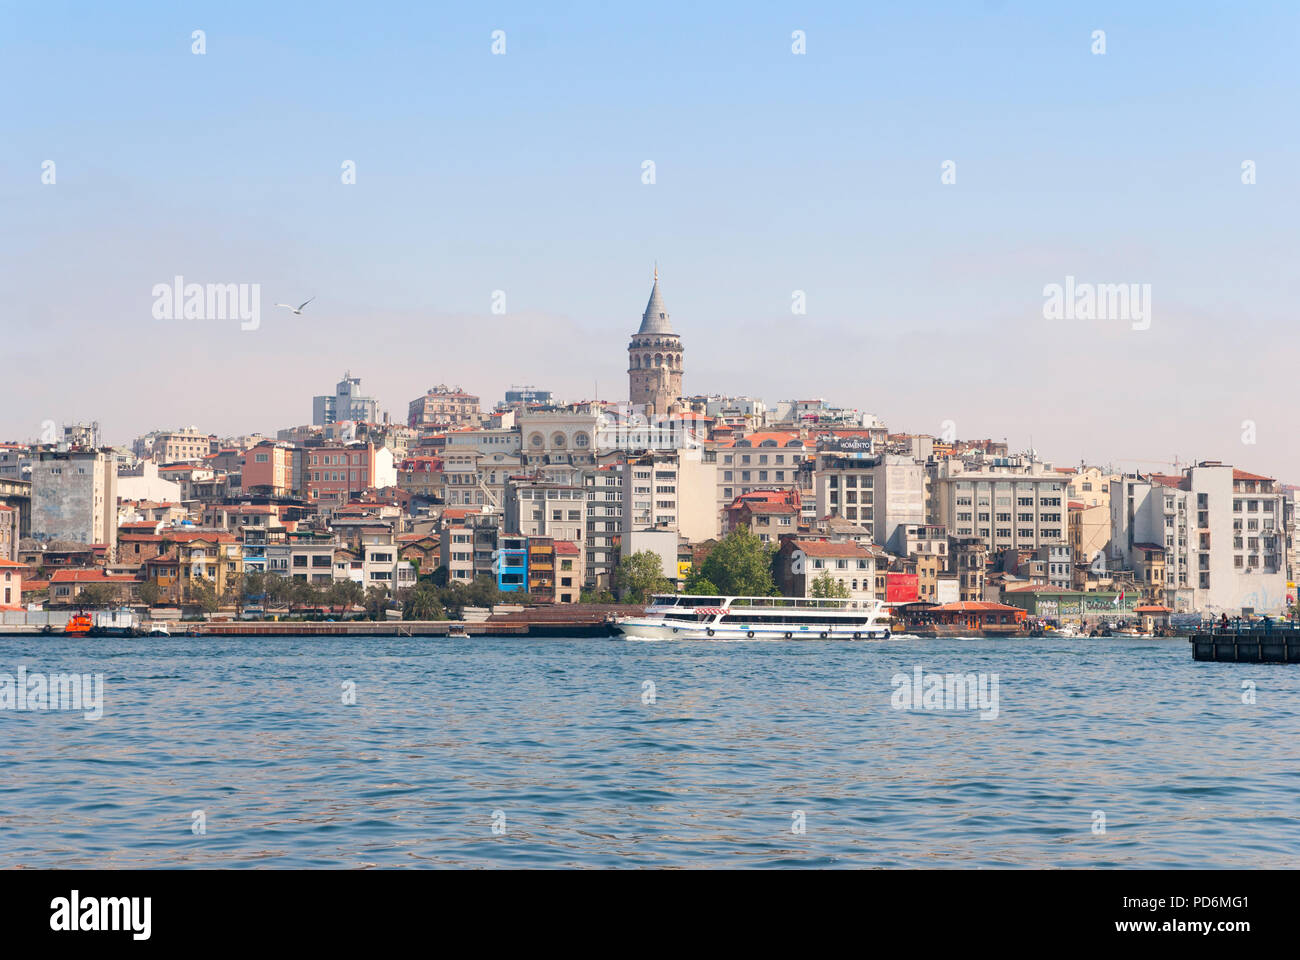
[79, 625]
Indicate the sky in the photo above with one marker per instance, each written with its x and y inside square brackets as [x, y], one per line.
[774, 172]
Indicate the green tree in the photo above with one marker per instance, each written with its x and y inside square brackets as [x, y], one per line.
[421, 603]
[824, 586]
[640, 574]
[484, 592]
[700, 585]
[740, 565]
[203, 593]
[97, 595]
[376, 602]
[346, 594]
[278, 588]
[150, 593]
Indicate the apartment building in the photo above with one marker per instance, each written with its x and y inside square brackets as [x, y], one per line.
[74, 497]
[421, 477]
[174, 446]
[335, 471]
[1008, 502]
[9, 533]
[885, 493]
[307, 557]
[512, 564]
[273, 469]
[801, 561]
[604, 523]
[671, 490]
[968, 559]
[539, 508]
[1222, 531]
[444, 406]
[764, 460]
[768, 514]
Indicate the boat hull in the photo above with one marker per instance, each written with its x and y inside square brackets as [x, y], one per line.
[655, 629]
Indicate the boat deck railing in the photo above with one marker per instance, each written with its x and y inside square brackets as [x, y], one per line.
[806, 603]
[1254, 628]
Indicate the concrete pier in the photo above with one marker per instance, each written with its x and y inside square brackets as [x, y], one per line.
[1278, 645]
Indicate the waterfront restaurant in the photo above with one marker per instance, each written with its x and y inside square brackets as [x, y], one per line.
[979, 615]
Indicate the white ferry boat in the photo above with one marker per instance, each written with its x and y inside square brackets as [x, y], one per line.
[677, 616]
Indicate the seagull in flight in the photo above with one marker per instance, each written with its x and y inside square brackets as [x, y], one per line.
[296, 311]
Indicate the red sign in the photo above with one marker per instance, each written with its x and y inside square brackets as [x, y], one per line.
[901, 588]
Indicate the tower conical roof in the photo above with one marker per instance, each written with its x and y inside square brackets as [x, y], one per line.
[655, 318]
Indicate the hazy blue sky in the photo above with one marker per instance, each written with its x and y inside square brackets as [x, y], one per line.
[774, 173]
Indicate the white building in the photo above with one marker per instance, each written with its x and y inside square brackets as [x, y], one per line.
[142, 482]
[1223, 531]
[673, 491]
[1008, 502]
[346, 403]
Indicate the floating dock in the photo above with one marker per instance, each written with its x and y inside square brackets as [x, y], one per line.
[1272, 644]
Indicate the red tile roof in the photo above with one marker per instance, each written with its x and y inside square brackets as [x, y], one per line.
[1243, 475]
[975, 606]
[568, 548]
[88, 576]
[781, 437]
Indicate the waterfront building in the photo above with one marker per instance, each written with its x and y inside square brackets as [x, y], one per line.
[306, 555]
[66, 585]
[1223, 535]
[512, 564]
[802, 560]
[11, 580]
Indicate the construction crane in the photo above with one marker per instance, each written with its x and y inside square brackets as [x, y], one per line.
[1176, 464]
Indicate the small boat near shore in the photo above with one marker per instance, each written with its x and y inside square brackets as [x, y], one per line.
[676, 616]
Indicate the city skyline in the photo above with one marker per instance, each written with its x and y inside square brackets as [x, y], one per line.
[775, 173]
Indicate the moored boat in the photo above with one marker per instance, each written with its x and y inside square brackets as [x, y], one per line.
[675, 616]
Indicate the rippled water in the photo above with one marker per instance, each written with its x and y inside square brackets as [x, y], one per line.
[555, 736]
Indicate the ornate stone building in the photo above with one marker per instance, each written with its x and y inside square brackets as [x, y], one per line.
[654, 365]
